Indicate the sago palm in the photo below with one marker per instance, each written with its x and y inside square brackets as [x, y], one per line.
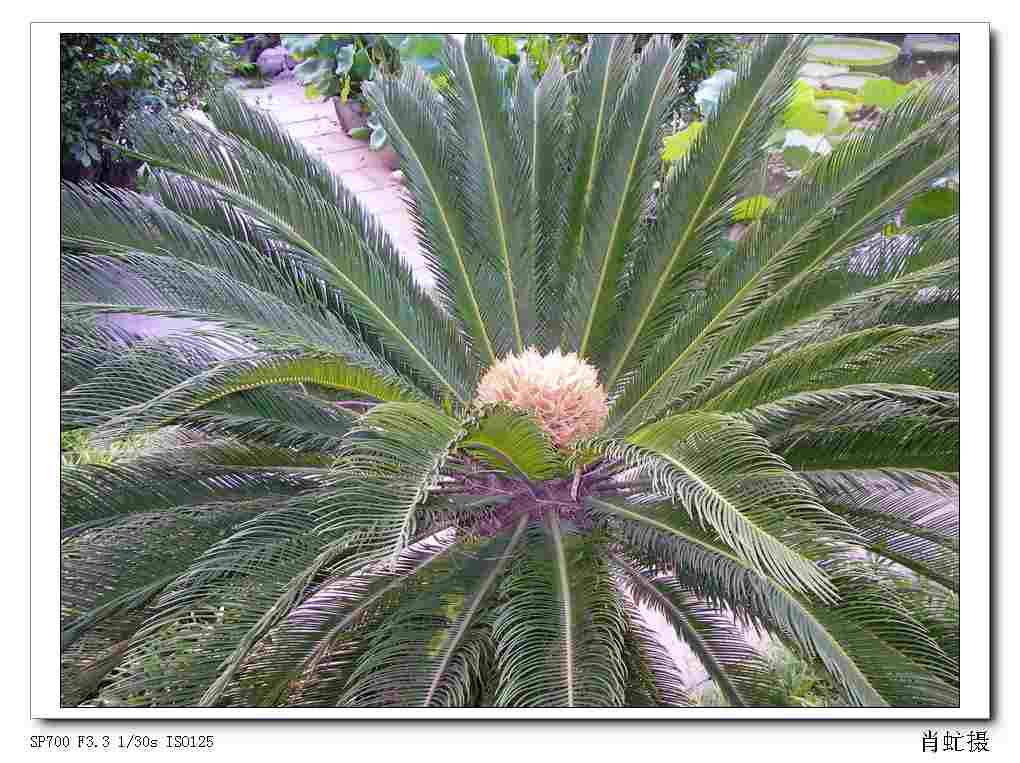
[367, 493]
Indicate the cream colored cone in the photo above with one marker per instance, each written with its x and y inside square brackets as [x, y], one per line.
[561, 391]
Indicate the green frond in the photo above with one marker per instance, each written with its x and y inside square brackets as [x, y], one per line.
[856, 405]
[210, 616]
[748, 296]
[410, 109]
[594, 92]
[334, 233]
[114, 570]
[300, 654]
[232, 315]
[857, 357]
[653, 678]
[559, 631]
[514, 442]
[740, 672]
[915, 525]
[906, 442]
[619, 196]
[874, 649]
[281, 418]
[694, 205]
[717, 471]
[432, 652]
[385, 470]
[544, 131]
[241, 375]
[97, 493]
[494, 186]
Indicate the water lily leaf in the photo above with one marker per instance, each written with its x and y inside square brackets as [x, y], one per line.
[853, 51]
[821, 71]
[801, 112]
[932, 205]
[850, 101]
[675, 146]
[883, 92]
[852, 82]
[805, 118]
[751, 208]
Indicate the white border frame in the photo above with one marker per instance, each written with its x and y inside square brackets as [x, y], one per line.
[975, 386]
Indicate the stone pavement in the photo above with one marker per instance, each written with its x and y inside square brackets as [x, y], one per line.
[315, 125]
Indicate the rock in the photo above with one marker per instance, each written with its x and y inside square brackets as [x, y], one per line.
[253, 45]
[291, 63]
[272, 61]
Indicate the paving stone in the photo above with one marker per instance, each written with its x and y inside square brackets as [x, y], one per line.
[331, 142]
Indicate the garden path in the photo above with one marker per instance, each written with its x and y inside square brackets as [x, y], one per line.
[314, 124]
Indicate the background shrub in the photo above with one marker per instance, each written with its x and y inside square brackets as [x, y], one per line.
[106, 79]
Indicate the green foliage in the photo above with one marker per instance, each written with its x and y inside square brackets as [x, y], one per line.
[751, 208]
[932, 205]
[883, 92]
[334, 520]
[678, 144]
[795, 682]
[340, 64]
[108, 80]
[77, 449]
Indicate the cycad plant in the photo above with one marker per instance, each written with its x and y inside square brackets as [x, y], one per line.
[370, 494]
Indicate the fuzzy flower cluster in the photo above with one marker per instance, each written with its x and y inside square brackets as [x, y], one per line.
[561, 391]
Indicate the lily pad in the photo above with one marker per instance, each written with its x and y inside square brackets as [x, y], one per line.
[851, 82]
[821, 71]
[810, 81]
[883, 92]
[850, 101]
[934, 47]
[801, 113]
[853, 52]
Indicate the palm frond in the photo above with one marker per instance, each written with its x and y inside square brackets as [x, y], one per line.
[624, 173]
[697, 197]
[410, 109]
[559, 633]
[335, 234]
[868, 177]
[740, 672]
[595, 90]
[493, 173]
[432, 651]
[512, 441]
[721, 473]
